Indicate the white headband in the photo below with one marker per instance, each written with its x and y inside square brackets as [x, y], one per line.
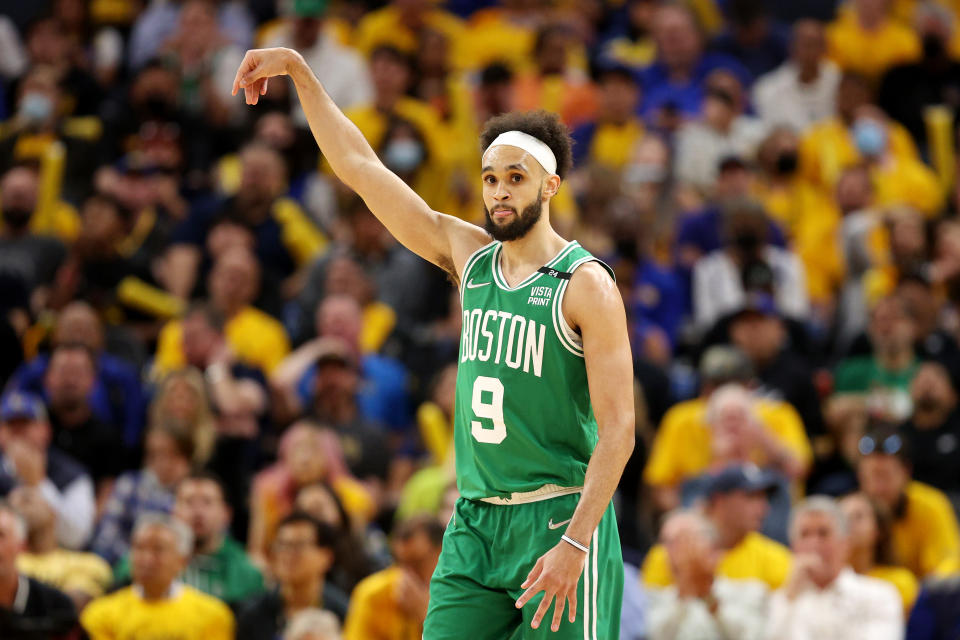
[540, 151]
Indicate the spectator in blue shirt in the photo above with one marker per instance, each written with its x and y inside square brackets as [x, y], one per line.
[753, 38]
[674, 82]
[117, 396]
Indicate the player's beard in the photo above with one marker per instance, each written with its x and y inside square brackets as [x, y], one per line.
[519, 226]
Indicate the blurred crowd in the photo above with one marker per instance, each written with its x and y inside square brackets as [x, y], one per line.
[228, 392]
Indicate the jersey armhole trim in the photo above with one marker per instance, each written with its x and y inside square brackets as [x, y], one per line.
[468, 265]
[568, 337]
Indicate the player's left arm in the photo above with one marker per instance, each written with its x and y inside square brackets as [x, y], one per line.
[592, 305]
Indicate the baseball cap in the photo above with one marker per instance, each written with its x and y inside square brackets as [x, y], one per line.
[18, 405]
[723, 363]
[746, 477]
[758, 302]
[309, 8]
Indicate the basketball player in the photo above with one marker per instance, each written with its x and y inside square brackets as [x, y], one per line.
[544, 407]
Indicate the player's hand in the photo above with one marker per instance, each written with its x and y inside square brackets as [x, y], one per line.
[556, 573]
[258, 66]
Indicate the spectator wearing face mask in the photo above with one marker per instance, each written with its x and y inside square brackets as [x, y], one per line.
[723, 281]
[804, 211]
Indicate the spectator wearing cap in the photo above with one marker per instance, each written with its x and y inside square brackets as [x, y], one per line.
[933, 430]
[723, 130]
[737, 439]
[735, 506]
[160, 548]
[29, 608]
[300, 558]
[747, 264]
[218, 565]
[27, 250]
[869, 547]
[865, 38]
[29, 460]
[883, 378]
[81, 575]
[823, 597]
[925, 535]
[117, 394]
[683, 446]
[342, 324]
[702, 604]
[763, 336]
[802, 90]
[168, 450]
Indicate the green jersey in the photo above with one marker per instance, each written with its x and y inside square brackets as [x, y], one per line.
[523, 417]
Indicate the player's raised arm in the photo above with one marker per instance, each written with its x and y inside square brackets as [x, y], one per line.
[443, 240]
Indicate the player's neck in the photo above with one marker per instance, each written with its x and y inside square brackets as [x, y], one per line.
[523, 255]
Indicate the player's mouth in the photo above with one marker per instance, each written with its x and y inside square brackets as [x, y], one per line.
[501, 213]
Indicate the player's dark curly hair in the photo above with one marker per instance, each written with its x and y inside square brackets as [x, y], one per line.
[543, 125]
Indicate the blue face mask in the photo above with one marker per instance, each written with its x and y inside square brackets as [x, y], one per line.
[403, 156]
[36, 107]
[869, 137]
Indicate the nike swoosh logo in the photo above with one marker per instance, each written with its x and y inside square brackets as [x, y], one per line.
[470, 284]
[551, 525]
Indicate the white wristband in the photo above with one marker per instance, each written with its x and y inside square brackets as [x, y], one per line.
[574, 543]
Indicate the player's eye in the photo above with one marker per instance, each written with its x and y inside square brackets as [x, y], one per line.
[516, 177]
[489, 179]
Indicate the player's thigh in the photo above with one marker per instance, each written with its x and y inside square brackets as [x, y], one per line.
[599, 593]
[462, 608]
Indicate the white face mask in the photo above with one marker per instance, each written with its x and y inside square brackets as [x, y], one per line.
[36, 107]
[403, 155]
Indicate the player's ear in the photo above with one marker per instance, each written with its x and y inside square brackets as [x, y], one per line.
[551, 185]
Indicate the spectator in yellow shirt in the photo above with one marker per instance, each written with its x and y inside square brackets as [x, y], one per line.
[685, 447]
[399, 24]
[804, 211]
[865, 39]
[392, 604]
[829, 147]
[82, 576]
[156, 606]
[257, 339]
[735, 506]
[868, 530]
[925, 534]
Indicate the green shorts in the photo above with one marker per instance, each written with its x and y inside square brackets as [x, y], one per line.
[488, 550]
